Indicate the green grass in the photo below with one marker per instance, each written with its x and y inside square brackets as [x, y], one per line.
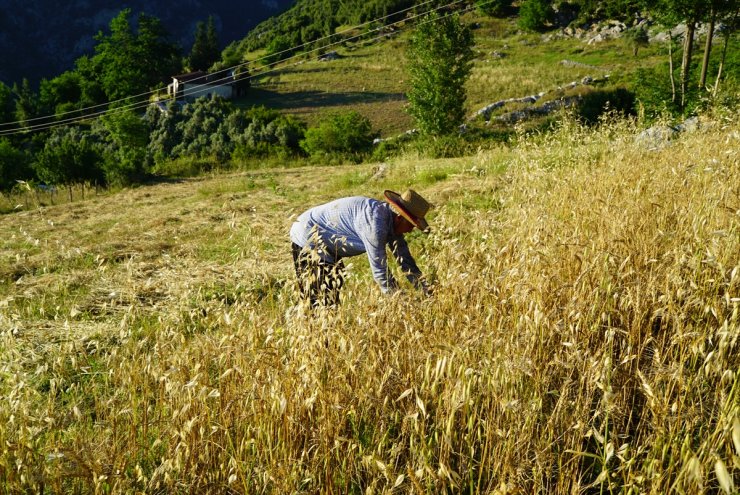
[372, 79]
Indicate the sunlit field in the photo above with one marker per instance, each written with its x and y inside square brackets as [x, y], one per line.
[583, 337]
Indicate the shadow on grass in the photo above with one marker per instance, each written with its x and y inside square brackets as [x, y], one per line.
[313, 98]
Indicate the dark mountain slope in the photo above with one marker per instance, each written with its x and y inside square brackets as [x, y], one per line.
[43, 38]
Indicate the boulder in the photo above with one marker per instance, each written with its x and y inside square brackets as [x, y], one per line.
[328, 56]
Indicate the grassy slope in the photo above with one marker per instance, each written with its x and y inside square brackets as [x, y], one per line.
[585, 320]
[371, 79]
[587, 309]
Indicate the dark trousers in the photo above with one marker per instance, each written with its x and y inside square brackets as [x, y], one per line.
[319, 281]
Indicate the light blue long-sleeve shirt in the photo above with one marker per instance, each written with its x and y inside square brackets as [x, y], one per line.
[352, 226]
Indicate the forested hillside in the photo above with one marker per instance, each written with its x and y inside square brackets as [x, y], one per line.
[43, 38]
[310, 20]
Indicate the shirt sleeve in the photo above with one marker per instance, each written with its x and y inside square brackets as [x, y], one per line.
[400, 250]
[375, 240]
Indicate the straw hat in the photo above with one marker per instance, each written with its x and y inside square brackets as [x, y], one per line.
[411, 206]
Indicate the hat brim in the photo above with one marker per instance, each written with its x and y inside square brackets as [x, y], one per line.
[397, 202]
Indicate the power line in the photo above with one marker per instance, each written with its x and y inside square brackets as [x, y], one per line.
[206, 87]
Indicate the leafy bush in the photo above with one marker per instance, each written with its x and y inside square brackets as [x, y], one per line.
[14, 165]
[347, 135]
[124, 166]
[124, 138]
[201, 121]
[534, 14]
[278, 49]
[163, 133]
[595, 103]
[494, 8]
[653, 92]
[70, 155]
[266, 132]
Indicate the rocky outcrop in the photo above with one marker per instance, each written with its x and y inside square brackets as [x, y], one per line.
[486, 111]
[659, 136]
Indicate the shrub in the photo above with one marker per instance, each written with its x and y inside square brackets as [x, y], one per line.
[261, 132]
[124, 166]
[447, 146]
[201, 120]
[278, 49]
[595, 103]
[653, 92]
[534, 14]
[69, 156]
[493, 8]
[14, 165]
[348, 135]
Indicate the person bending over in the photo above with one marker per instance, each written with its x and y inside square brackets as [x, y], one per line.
[326, 234]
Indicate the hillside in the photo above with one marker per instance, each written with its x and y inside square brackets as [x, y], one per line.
[370, 76]
[43, 38]
[583, 335]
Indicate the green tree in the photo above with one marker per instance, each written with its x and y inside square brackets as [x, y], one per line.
[669, 12]
[205, 50]
[726, 11]
[128, 62]
[69, 156]
[440, 59]
[534, 14]
[61, 94]
[91, 90]
[14, 165]
[7, 104]
[26, 102]
[733, 21]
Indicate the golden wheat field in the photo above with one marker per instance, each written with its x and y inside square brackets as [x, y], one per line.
[583, 336]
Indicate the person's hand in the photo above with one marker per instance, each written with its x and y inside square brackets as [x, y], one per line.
[428, 290]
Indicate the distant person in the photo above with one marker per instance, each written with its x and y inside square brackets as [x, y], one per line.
[324, 235]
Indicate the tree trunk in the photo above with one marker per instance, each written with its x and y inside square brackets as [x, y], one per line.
[721, 65]
[688, 46]
[670, 66]
[724, 54]
[707, 50]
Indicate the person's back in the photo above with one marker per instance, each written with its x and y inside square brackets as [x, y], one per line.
[343, 227]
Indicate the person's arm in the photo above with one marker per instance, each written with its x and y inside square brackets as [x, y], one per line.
[374, 236]
[401, 253]
[378, 258]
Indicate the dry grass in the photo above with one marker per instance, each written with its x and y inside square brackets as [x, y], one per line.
[583, 336]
